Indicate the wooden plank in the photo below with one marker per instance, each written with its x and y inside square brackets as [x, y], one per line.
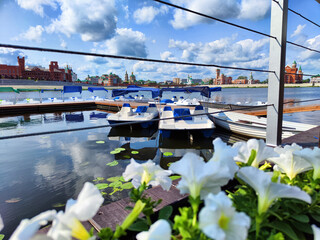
[307, 108]
[308, 138]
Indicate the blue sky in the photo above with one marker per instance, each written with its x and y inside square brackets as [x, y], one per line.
[152, 30]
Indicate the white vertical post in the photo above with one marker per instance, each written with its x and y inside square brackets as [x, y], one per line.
[277, 59]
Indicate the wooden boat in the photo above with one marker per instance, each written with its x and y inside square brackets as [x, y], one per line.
[142, 114]
[197, 125]
[253, 126]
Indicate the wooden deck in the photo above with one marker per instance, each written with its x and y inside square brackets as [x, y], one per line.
[307, 108]
[308, 138]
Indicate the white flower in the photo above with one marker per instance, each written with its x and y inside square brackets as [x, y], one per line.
[313, 157]
[267, 190]
[1, 223]
[67, 224]
[290, 162]
[29, 227]
[257, 147]
[198, 177]
[160, 230]
[148, 172]
[219, 220]
[316, 232]
[225, 154]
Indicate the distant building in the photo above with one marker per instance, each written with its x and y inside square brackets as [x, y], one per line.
[197, 81]
[184, 81]
[112, 79]
[54, 73]
[221, 79]
[94, 80]
[207, 80]
[292, 75]
[315, 79]
[240, 81]
[176, 80]
[132, 78]
[126, 77]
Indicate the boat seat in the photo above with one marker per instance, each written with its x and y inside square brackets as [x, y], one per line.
[180, 112]
[198, 109]
[141, 109]
[126, 110]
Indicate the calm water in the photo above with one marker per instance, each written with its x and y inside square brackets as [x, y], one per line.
[41, 172]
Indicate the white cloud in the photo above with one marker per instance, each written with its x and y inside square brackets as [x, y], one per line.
[127, 42]
[93, 20]
[126, 11]
[313, 43]
[147, 14]
[222, 9]
[216, 8]
[63, 44]
[32, 34]
[254, 10]
[223, 51]
[9, 56]
[167, 55]
[298, 30]
[36, 5]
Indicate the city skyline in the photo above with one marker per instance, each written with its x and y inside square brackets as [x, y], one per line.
[152, 30]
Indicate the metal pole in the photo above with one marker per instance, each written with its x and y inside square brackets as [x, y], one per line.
[277, 59]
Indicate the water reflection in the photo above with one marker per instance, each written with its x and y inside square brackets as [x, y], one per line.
[74, 117]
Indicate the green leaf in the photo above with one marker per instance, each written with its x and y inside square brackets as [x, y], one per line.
[114, 179]
[114, 163]
[316, 217]
[252, 157]
[58, 205]
[122, 179]
[165, 212]
[100, 142]
[139, 226]
[115, 184]
[175, 177]
[303, 227]
[167, 154]
[120, 149]
[127, 185]
[115, 152]
[285, 228]
[102, 185]
[103, 193]
[98, 179]
[127, 156]
[134, 152]
[278, 236]
[115, 190]
[301, 218]
[1, 236]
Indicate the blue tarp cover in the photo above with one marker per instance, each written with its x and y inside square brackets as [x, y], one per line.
[205, 91]
[91, 89]
[119, 92]
[215, 89]
[141, 109]
[44, 90]
[180, 112]
[69, 89]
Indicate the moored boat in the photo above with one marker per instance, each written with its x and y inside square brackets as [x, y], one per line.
[253, 126]
[179, 120]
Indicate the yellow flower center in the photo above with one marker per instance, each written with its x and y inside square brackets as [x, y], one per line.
[223, 222]
[146, 177]
[78, 230]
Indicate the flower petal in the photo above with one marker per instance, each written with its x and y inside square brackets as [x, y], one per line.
[160, 230]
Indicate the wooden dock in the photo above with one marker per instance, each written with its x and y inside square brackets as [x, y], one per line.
[307, 108]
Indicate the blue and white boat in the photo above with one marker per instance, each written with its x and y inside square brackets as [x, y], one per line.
[183, 119]
[142, 115]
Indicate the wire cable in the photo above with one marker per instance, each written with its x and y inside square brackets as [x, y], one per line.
[213, 18]
[127, 57]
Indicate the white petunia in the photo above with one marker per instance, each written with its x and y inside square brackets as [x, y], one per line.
[160, 230]
[148, 172]
[29, 227]
[290, 162]
[267, 190]
[219, 220]
[313, 157]
[225, 154]
[67, 224]
[257, 147]
[1, 223]
[199, 178]
[316, 232]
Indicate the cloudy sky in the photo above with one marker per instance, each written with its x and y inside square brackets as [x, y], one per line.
[149, 29]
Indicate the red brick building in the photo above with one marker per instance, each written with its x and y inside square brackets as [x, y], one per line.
[221, 79]
[291, 75]
[54, 73]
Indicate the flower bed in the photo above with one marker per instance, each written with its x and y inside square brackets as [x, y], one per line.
[259, 201]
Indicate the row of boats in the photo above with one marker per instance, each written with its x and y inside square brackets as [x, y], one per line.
[198, 121]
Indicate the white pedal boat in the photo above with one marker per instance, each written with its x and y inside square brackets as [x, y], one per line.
[200, 125]
[141, 114]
